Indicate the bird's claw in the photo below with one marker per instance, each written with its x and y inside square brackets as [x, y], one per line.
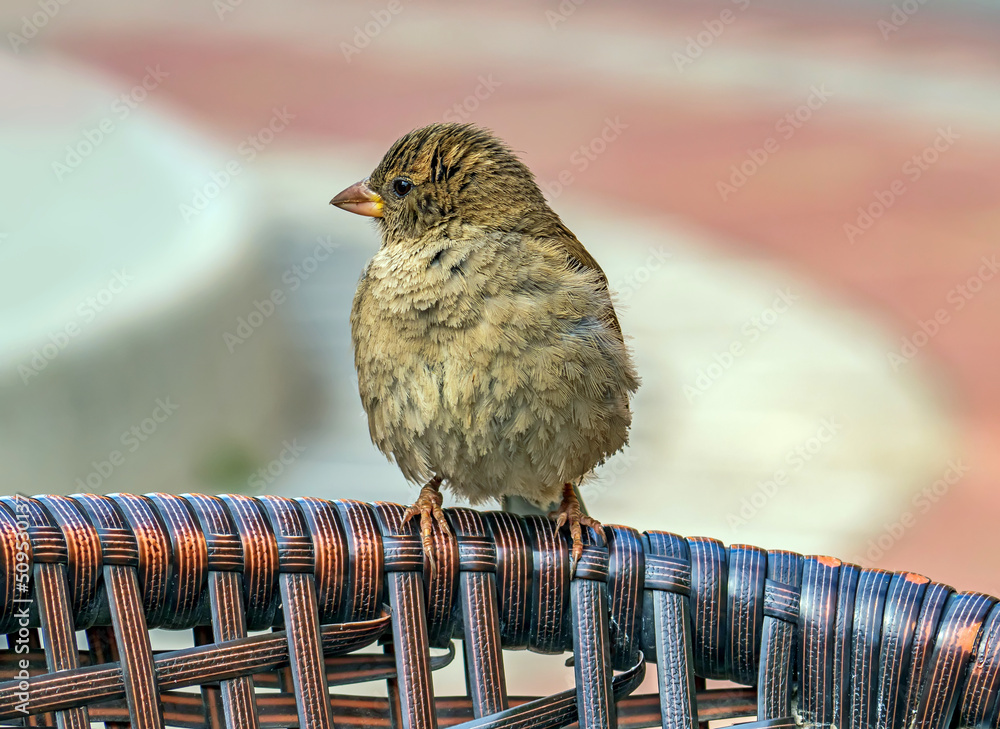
[428, 507]
[570, 512]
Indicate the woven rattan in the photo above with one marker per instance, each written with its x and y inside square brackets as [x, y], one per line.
[290, 599]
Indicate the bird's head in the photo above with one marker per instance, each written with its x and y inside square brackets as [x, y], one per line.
[445, 177]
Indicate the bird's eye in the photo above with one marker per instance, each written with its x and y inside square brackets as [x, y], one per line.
[401, 186]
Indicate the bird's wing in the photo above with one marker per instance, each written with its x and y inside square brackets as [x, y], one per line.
[581, 258]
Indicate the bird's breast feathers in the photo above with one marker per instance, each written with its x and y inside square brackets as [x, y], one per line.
[464, 351]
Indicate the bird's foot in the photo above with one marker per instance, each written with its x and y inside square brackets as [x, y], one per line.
[570, 512]
[428, 507]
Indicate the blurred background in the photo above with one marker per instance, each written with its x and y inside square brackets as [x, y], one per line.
[796, 204]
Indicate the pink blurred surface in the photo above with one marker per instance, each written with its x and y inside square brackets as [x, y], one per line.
[555, 92]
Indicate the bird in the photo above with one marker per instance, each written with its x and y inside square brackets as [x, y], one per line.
[490, 360]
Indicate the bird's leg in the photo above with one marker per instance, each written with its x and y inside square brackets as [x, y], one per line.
[570, 512]
[428, 506]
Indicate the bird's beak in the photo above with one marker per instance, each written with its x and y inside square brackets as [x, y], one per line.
[360, 199]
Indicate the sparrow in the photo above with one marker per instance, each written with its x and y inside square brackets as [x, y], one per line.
[489, 356]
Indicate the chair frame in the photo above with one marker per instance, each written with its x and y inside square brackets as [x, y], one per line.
[284, 595]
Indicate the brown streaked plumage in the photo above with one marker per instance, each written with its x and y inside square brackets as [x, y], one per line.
[488, 352]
